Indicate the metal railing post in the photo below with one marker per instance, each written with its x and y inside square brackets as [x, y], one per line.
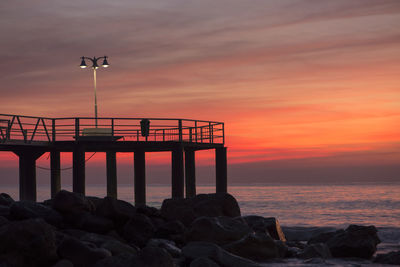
[53, 130]
[195, 128]
[223, 133]
[112, 127]
[210, 132]
[180, 130]
[76, 128]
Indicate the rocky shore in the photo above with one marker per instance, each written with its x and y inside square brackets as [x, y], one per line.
[207, 231]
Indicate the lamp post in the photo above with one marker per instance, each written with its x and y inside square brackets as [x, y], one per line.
[94, 66]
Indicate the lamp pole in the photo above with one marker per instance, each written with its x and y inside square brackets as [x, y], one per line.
[94, 66]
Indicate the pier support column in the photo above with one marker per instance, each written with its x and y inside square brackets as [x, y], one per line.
[111, 158]
[177, 173]
[221, 169]
[78, 170]
[190, 173]
[55, 173]
[140, 177]
[27, 174]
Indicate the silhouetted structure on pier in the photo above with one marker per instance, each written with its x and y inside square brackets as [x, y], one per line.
[30, 137]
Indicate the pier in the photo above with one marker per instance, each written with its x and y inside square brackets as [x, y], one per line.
[30, 137]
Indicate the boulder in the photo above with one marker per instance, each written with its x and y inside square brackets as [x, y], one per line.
[173, 230]
[69, 202]
[261, 225]
[168, 245]
[203, 262]
[5, 199]
[318, 250]
[28, 243]
[218, 230]
[63, 263]
[154, 257]
[389, 258]
[355, 241]
[147, 257]
[255, 246]
[324, 236]
[88, 222]
[117, 210]
[4, 211]
[209, 205]
[22, 210]
[3, 221]
[104, 241]
[299, 233]
[120, 260]
[116, 247]
[81, 254]
[195, 250]
[138, 230]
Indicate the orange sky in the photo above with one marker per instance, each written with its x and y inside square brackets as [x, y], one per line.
[290, 79]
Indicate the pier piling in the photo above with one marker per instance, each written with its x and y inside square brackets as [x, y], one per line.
[111, 159]
[139, 160]
[177, 173]
[190, 173]
[78, 170]
[221, 170]
[55, 172]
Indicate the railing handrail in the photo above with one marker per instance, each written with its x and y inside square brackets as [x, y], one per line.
[109, 118]
[33, 128]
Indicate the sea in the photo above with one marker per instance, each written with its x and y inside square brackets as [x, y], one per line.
[301, 209]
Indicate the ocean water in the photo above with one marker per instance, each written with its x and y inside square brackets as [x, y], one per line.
[333, 205]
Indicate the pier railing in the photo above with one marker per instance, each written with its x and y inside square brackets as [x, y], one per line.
[28, 129]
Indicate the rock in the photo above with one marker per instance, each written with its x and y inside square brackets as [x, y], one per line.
[80, 253]
[94, 238]
[93, 223]
[323, 237]
[209, 205]
[63, 263]
[298, 233]
[283, 249]
[389, 258]
[203, 262]
[173, 230]
[74, 233]
[104, 241]
[4, 211]
[28, 243]
[262, 225]
[255, 246]
[355, 241]
[147, 257]
[5, 199]
[154, 257]
[218, 230]
[121, 260]
[22, 210]
[139, 230]
[168, 245]
[68, 202]
[195, 250]
[117, 210]
[318, 250]
[88, 222]
[96, 201]
[3, 221]
[116, 248]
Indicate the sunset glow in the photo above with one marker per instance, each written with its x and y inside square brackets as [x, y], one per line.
[310, 80]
